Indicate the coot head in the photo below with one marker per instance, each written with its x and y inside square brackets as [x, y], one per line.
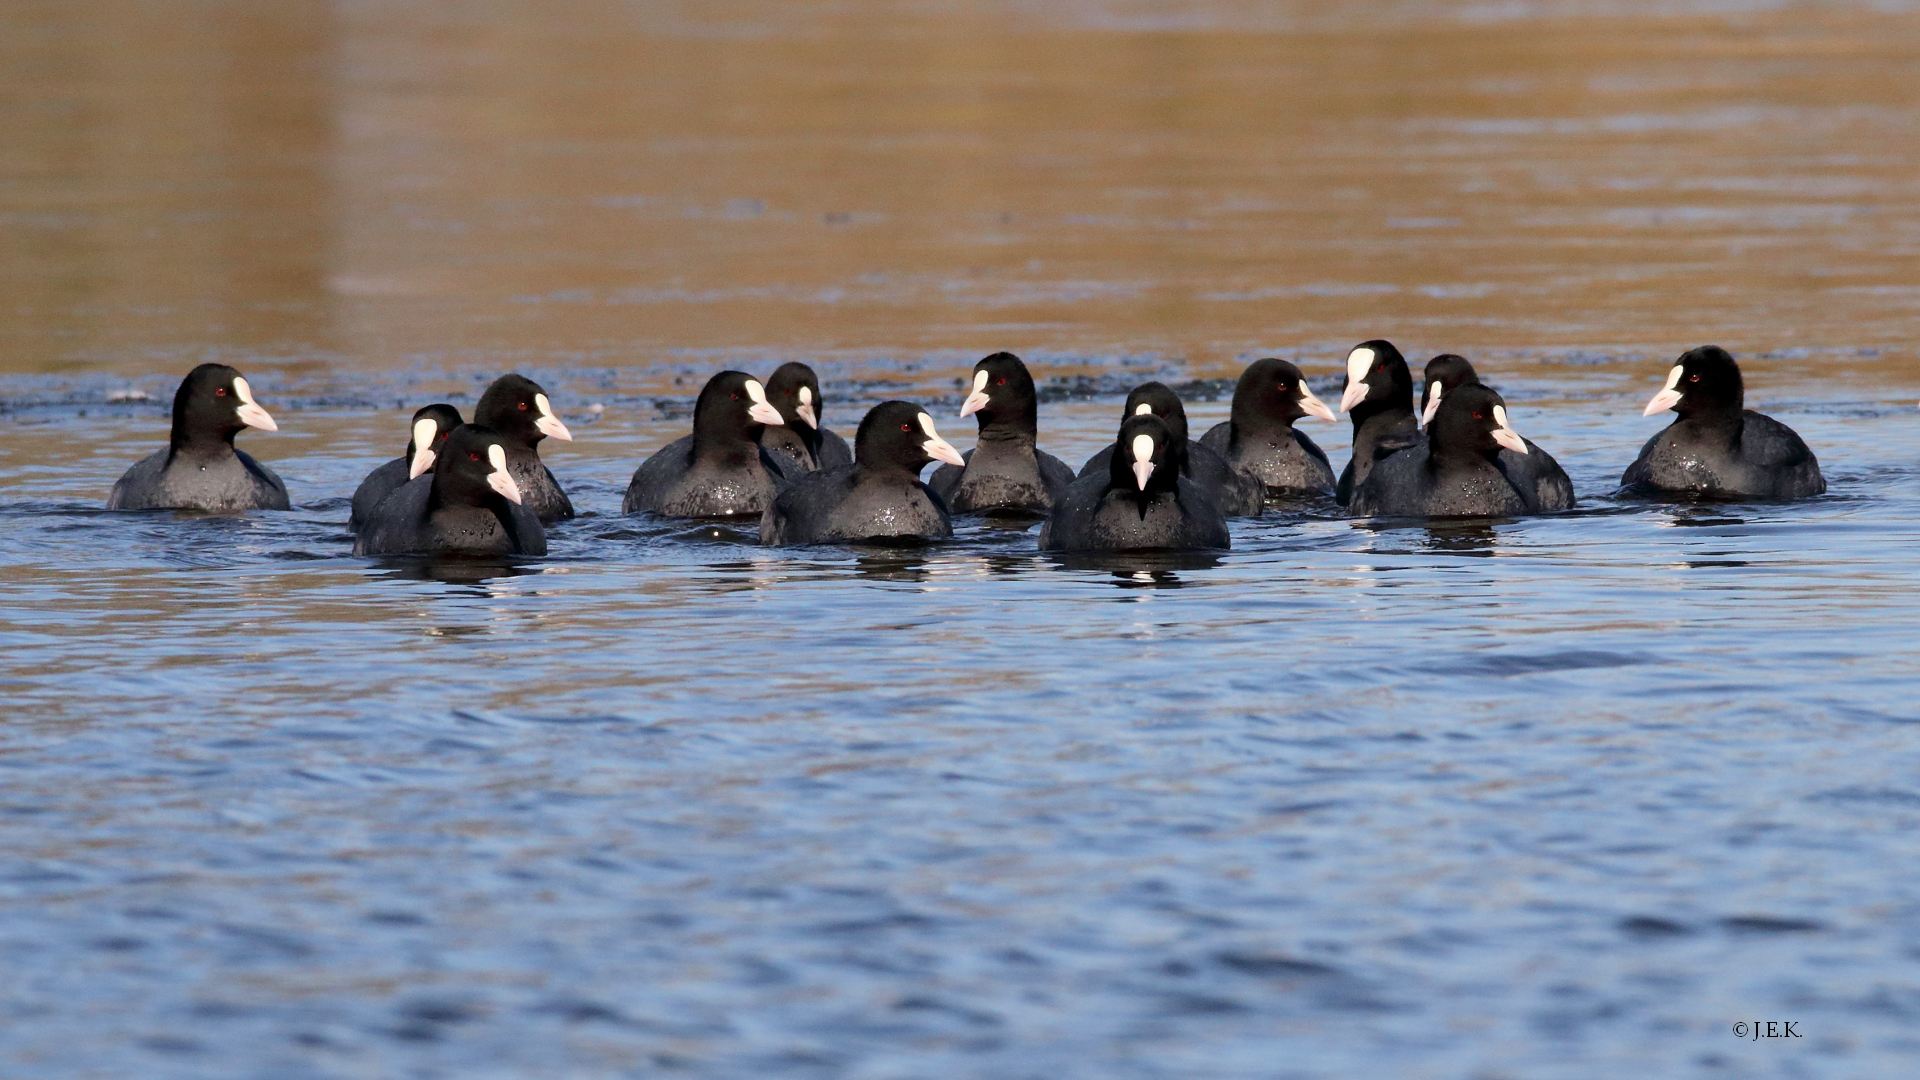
[431, 426]
[472, 470]
[1002, 394]
[795, 390]
[1472, 421]
[1377, 380]
[732, 408]
[214, 403]
[1158, 399]
[1703, 380]
[1273, 392]
[1146, 460]
[899, 436]
[517, 409]
[1445, 372]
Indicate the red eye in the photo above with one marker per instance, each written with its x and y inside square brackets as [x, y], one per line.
[523, 406]
[906, 427]
[736, 395]
[473, 456]
[1002, 381]
[221, 392]
[1693, 378]
[1479, 416]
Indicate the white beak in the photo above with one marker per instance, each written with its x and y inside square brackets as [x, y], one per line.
[549, 424]
[251, 414]
[1142, 409]
[1142, 460]
[762, 410]
[423, 431]
[1504, 434]
[1669, 395]
[936, 447]
[805, 410]
[976, 400]
[500, 479]
[1433, 403]
[1313, 405]
[1359, 361]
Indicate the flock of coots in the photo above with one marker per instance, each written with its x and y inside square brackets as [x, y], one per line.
[760, 450]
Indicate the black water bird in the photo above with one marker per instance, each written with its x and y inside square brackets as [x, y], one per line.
[1259, 438]
[431, 426]
[1534, 471]
[720, 470]
[470, 503]
[1455, 472]
[1005, 471]
[1718, 448]
[801, 444]
[201, 469]
[1237, 494]
[879, 497]
[518, 410]
[1379, 398]
[1141, 503]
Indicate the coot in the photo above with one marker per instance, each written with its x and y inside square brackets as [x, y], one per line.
[1237, 494]
[518, 410]
[1718, 448]
[200, 469]
[879, 497]
[720, 470]
[470, 504]
[431, 426]
[1455, 472]
[801, 444]
[1379, 398]
[1259, 438]
[1535, 471]
[1142, 503]
[1005, 471]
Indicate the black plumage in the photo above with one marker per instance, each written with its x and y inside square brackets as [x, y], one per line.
[1379, 398]
[720, 470]
[201, 469]
[426, 435]
[1141, 503]
[1006, 471]
[518, 410]
[1259, 438]
[878, 497]
[1718, 448]
[469, 504]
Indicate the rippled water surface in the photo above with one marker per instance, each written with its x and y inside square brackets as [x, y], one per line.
[1557, 797]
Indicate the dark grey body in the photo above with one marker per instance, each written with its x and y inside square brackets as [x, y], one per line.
[1377, 438]
[1412, 483]
[1293, 467]
[403, 524]
[847, 504]
[539, 491]
[379, 484]
[671, 483]
[1761, 458]
[1003, 474]
[790, 454]
[1235, 493]
[1538, 478]
[220, 478]
[1093, 517]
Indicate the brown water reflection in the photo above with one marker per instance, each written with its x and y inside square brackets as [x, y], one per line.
[370, 184]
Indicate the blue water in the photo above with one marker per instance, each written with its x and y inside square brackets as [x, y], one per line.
[1556, 797]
